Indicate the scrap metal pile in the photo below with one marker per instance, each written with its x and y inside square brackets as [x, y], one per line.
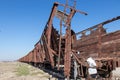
[67, 55]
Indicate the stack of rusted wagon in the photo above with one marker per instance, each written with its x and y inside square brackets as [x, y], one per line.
[67, 54]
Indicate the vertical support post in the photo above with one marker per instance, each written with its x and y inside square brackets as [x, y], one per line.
[35, 56]
[49, 29]
[99, 40]
[60, 44]
[54, 9]
[67, 62]
[67, 57]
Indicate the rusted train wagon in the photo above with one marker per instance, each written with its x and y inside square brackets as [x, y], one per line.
[102, 46]
[67, 55]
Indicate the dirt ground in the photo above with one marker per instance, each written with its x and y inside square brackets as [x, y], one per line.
[116, 74]
[16, 71]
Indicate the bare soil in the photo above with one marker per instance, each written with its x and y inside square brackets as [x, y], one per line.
[116, 74]
[9, 71]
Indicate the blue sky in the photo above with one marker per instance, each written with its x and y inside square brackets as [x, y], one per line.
[22, 22]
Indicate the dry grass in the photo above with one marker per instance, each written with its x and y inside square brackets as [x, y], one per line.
[22, 70]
